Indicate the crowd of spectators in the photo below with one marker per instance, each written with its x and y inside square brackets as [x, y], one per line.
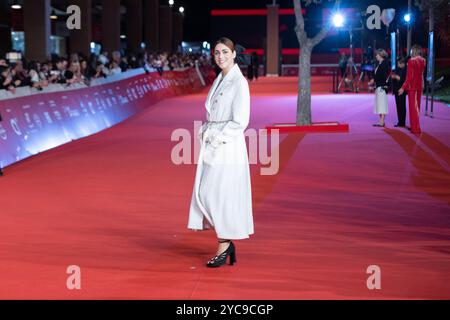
[81, 69]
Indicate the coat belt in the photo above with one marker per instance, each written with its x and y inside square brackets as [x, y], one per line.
[214, 122]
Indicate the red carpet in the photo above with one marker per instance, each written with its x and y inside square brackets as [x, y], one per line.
[115, 205]
[316, 127]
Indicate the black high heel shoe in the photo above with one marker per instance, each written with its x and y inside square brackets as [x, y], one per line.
[221, 259]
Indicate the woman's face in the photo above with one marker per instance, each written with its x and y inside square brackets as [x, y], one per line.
[223, 56]
[75, 66]
[379, 58]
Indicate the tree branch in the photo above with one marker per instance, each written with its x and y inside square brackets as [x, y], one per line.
[298, 15]
[325, 29]
[302, 37]
[320, 36]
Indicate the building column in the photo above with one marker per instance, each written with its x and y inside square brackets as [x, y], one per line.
[111, 26]
[80, 40]
[165, 29]
[134, 24]
[5, 28]
[151, 24]
[272, 43]
[178, 24]
[36, 23]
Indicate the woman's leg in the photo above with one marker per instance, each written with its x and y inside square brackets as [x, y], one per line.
[226, 249]
[223, 245]
[414, 111]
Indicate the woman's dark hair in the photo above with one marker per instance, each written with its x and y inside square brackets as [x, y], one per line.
[32, 65]
[3, 69]
[225, 41]
[401, 60]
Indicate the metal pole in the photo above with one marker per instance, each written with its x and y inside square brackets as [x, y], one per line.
[432, 92]
[431, 27]
[351, 57]
[408, 41]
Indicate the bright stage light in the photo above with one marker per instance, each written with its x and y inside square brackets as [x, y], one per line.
[16, 6]
[338, 20]
[181, 9]
[171, 2]
[407, 17]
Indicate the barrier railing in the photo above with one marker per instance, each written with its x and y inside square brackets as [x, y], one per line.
[38, 121]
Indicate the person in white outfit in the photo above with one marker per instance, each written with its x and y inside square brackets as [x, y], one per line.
[380, 79]
[222, 197]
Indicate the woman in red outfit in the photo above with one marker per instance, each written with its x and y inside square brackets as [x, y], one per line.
[414, 86]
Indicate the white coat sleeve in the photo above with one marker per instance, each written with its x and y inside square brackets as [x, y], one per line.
[240, 116]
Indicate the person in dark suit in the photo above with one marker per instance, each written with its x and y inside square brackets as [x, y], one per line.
[250, 71]
[255, 65]
[398, 79]
[343, 61]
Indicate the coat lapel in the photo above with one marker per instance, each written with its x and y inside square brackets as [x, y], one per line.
[217, 88]
[213, 88]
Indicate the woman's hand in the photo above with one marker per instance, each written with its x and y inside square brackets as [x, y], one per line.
[400, 91]
[12, 89]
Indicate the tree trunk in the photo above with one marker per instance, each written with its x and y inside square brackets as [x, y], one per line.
[304, 84]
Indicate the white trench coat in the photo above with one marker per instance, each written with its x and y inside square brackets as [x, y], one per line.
[222, 196]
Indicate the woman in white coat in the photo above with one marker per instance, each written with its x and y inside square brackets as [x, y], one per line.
[222, 198]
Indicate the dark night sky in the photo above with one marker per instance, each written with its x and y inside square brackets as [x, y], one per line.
[198, 21]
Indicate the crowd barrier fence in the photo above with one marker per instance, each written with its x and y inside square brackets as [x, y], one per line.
[35, 121]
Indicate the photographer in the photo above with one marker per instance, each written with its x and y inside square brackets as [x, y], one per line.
[101, 71]
[343, 61]
[19, 75]
[37, 78]
[58, 74]
[6, 80]
[114, 68]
